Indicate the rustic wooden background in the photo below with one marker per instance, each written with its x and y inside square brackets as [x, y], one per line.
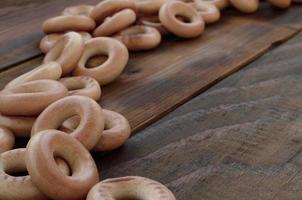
[202, 129]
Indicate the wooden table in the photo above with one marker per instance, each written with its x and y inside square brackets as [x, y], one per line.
[217, 117]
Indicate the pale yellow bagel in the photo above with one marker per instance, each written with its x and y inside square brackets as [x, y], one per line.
[19, 125]
[67, 51]
[108, 71]
[92, 119]
[68, 23]
[149, 6]
[49, 41]
[245, 6]
[117, 130]
[48, 70]
[281, 3]
[83, 86]
[115, 23]
[40, 152]
[30, 98]
[130, 187]
[168, 17]
[21, 187]
[78, 10]
[7, 139]
[139, 37]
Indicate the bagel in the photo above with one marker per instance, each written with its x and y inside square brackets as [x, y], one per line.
[108, 71]
[45, 174]
[30, 98]
[67, 51]
[130, 187]
[92, 120]
[139, 37]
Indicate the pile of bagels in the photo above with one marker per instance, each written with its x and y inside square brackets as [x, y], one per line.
[55, 104]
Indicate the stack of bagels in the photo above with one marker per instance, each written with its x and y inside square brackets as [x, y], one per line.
[55, 105]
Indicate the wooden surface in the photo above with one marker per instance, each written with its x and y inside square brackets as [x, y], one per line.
[238, 140]
[241, 139]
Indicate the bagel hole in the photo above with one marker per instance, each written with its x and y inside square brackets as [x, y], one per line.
[96, 61]
[70, 124]
[18, 173]
[183, 18]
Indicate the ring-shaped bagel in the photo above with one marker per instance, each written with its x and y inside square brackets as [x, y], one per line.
[220, 4]
[209, 12]
[119, 21]
[108, 71]
[48, 70]
[152, 21]
[68, 23]
[78, 10]
[116, 132]
[139, 37]
[49, 41]
[42, 168]
[67, 51]
[149, 6]
[19, 125]
[130, 187]
[168, 17]
[82, 85]
[109, 7]
[7, 139]
[245, 6]
[92, 118]
[281, 3]
[30, 98]
[20, 187]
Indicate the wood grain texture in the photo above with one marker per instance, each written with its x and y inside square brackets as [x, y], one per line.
[156, 82]
[241, 139]
[21, 20]
[21, 26]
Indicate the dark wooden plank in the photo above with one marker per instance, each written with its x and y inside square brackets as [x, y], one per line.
[156, 82]
[21, 27]
[20, 24]
[241, 139]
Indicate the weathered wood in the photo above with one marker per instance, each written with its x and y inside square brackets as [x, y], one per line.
[241, 139]
[156, 82]
[21, 26]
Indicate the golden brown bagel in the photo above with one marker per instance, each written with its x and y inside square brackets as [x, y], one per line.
[19, 125]
[20, 187]
[130, 187]
[30, 98]
[78, 10]
[49, 41]
[139, 37]
[168, 17]
[108, 71]
[115, 23]
[92, 119]
[66, 23]
[48, 70]
[245, 6]
[117, 130]
[40, 152]
[67, 51]
[82, 85]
